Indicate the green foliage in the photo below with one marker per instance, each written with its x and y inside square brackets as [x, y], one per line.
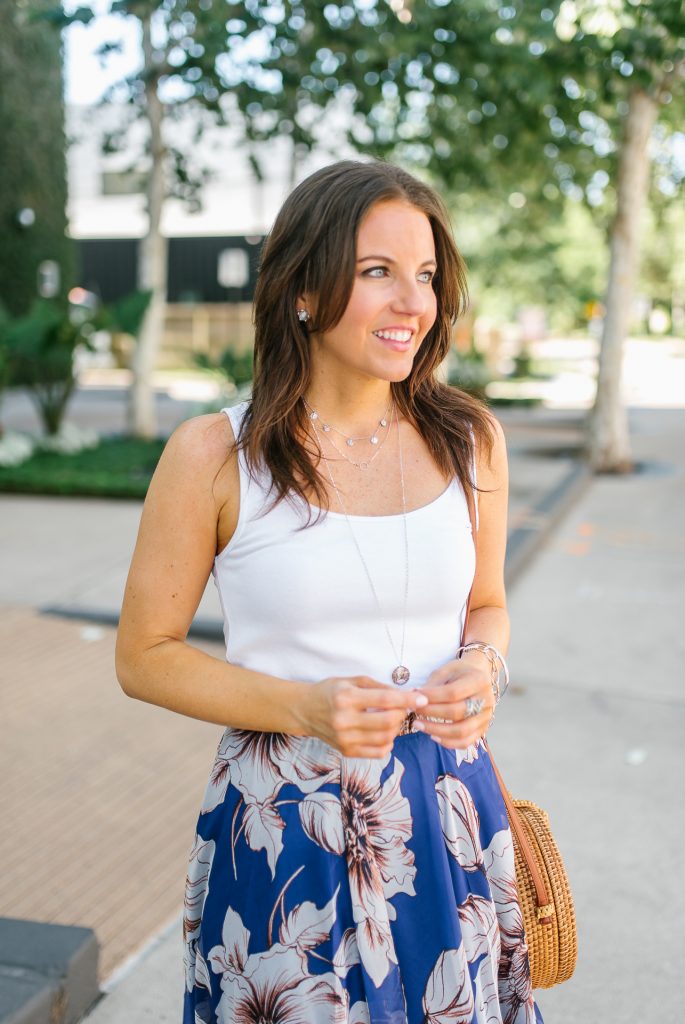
[33, 163]
[7, 357]
[522, 103]
[237, 368]
[514, 110]
[117, 468]
[37, 350]
[42, 346]
[126, 314]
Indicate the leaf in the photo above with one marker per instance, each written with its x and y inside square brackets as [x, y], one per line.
[232, 956]
[321, 820]
[307, 926]
[448, 998]
[479, 928]
[347, 953]
[460, 824]
[263, 831]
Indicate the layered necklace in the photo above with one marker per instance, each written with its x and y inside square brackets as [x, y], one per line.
[400, 674]
[376, 438]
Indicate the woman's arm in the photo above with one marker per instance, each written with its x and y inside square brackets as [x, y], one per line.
[451, 684]
[193, 498]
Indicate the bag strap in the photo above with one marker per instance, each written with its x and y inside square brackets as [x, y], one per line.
[545, 908]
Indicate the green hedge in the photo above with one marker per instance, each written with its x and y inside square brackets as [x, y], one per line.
[117, 468]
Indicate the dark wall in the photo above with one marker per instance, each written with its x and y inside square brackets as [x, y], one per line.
[108, 267]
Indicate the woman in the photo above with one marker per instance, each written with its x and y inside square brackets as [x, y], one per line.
[353, 861]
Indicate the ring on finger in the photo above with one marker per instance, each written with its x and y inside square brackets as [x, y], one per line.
[474, 705]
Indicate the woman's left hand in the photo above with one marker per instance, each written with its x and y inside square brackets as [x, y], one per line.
[448, 689]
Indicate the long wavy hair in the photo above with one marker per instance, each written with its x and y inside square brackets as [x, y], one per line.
[312, 249]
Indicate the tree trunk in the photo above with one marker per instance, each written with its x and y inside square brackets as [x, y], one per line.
[152, 260]
[608, 441]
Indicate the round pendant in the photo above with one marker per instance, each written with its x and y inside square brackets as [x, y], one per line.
[350, 442]
[325, 428]
[384, 423]
[400, 675]
[373, 440]
[362, 465]
[313, 415]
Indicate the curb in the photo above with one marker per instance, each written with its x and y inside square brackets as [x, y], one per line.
[48, 972]
[524, 542]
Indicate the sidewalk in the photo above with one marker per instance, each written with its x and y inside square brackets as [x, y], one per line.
[577, 670]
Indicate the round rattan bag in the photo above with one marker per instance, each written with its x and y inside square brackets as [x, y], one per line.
[550, 928]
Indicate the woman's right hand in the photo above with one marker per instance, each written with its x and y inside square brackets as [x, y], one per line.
[357, 715]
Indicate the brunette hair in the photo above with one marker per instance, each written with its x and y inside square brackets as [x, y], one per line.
[311, 249]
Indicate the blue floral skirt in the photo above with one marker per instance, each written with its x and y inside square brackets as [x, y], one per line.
[323, 889]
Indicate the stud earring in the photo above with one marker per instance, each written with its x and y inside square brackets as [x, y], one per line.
[303, 315]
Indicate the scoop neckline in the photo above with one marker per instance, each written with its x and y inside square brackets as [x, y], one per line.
[392, 515]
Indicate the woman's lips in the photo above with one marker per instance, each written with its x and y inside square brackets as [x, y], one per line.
[396, 339]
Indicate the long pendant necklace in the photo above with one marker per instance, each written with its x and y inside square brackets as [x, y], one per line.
[400, 674]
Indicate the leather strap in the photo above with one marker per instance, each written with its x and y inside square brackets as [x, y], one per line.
[545, 908]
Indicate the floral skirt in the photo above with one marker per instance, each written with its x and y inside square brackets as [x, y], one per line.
[330, 890]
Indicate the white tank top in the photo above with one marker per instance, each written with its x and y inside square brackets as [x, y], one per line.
[297, 602]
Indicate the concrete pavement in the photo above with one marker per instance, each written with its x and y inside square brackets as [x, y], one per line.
[592, 728]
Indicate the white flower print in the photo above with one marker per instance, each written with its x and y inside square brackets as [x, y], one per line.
[230, 959]
[479, 928]
[276, 985]
[347, 953]
[448, 998]
[197, 882]
[259, 763]
[469, 754]
[263, 827]
[481, 940]
[515, 989]
[459, 820]
[306, 926]
[370, 823]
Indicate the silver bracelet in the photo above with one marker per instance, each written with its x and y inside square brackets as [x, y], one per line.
[494, 657]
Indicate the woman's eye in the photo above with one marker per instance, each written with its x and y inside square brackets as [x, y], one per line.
[426, 276]
[375, 271]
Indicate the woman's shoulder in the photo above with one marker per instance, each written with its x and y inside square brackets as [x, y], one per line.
[204, 438]
[200, 454]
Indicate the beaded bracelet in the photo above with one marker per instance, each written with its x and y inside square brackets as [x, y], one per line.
[494, 657]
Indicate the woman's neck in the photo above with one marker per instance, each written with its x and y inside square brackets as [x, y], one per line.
[356, 411]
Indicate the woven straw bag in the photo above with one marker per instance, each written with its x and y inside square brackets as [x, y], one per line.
[544, 892]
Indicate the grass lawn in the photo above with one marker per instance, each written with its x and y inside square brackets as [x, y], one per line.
[120, 467]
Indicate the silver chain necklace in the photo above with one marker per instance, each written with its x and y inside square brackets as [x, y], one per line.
[364, 463]
[349, 440]
[400, 674]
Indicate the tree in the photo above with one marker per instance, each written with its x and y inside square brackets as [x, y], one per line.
[183, 42]
[534, 102]
[33, 189]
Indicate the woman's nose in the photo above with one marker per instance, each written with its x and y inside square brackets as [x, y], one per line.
[411, 296]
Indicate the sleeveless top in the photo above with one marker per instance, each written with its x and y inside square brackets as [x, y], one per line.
[297, 603]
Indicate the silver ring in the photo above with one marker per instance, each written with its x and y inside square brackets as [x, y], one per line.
[474, 705]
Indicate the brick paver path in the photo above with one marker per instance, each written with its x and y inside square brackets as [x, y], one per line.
[99, 793]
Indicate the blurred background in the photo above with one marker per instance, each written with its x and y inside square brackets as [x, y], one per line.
[147, 147]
